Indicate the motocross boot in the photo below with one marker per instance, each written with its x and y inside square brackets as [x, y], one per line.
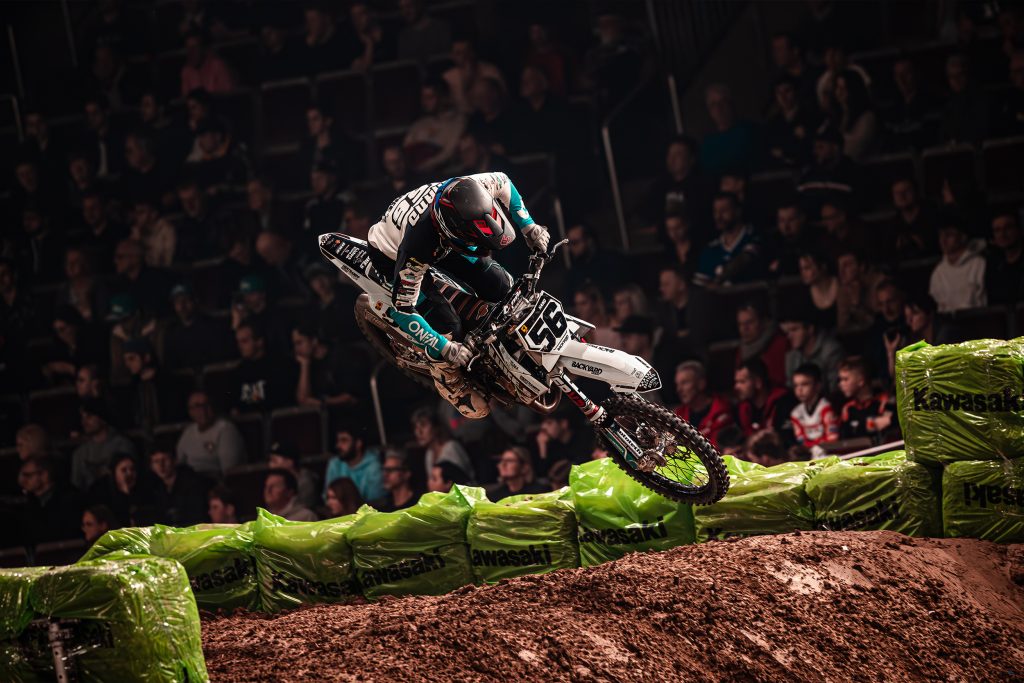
[451, 383]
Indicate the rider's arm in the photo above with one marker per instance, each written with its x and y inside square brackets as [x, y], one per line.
[504, 190]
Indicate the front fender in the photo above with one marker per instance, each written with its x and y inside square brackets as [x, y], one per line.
[623, 372]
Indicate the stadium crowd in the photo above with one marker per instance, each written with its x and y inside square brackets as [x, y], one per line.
[174, 350]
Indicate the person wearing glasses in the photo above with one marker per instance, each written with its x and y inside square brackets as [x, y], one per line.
[401, 493]
[515, 475]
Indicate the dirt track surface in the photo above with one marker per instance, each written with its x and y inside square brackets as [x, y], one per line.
[799, 607]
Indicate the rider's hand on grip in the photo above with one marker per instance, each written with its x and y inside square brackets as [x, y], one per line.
[457, 354]
[537, 237]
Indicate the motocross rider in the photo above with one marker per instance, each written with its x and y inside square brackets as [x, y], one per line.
[453, 225]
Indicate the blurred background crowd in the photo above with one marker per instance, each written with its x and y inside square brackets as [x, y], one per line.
[764, 200]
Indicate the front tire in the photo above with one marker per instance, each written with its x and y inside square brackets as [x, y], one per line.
[694, 472]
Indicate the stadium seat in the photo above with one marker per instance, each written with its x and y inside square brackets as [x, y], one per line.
[217, 383]
[13, 557]
[395, 92]
[721, 357]
[246, 482]
[283, 111]
[301, 427]
[178, 385]
[242, 57]
[1004, 168]
[881, 171]
[347, 93]
[286, 167]
[167, 435]
[957, 163]
[992, 322]
[56, 410]
[239, 109]
[253, 428]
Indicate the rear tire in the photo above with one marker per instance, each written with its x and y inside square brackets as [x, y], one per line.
[627, 408]
[381, 340]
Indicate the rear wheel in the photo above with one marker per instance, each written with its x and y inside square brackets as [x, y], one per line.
[685, 466]
[384, 343]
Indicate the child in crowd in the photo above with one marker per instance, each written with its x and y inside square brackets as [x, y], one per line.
[814, 421]
[865, 413]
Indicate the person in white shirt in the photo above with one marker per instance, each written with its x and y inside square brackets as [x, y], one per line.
[958, 280]
[210, 445]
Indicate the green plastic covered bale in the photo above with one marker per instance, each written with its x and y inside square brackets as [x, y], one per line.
[131, 619]
[219, 562]
[735, 465]
[884, 492]
[303, 563]
[770, 500]
[16, 612]
[526, 534]
[128, 541]
[420, 550]
[16, 666]
[984, 499]
[617, 515]
[962, 401]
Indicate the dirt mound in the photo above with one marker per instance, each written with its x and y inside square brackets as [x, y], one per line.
[804, 606]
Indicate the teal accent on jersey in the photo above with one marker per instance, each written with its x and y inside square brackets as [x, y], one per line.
[471, 259]
[515, 205]
[419, 332]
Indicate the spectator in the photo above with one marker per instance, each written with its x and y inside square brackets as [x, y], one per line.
[149, 397]
[958, 280]
[327, 142]
[123, 490]
[30, 189]
[222, 505]
[864, 413]
[100, 234]
[264, 213]
[285, 457]
[760, 339]
[467, 71]
[733, 256]
[31, 441]
[835, 64]
[629, 300]
[1004, 271]
[17, 310]
[708, 414]
[588, 304]
[171, 137]
[211, 445]
[909, 122]
[278, 59]
[682, 190]
[203, 68]
[43, 147]
[198, 108]
[855, 300]
[280, 497]
[77, 343]
[830, 175]
[432, 435]
[545, 122]
[611, 67]
[1010, 120]
[814, 421]
[82, 290]
[854, 116]
[354, 461]
[490, 119]
[129, 323]
[156, 235]
[554, 61]
[920, 312]
[136, 282]
[733, 145]
[40, 246]
[887, 328]
[680, 242]
[477, 157]
[145, 176]
[789, 240]
[91, 459]
[809, 344]
[325, 210]
[96, 521]
[276, 250]
[445, 475]
[251, 302]
[261, 382]
[559, 438]
[767, 449]
[965, 118]
[841, 234]
[822, 288]
[432, 139]
[377, 47]
[192, 339]
[333, 308]
[591, 265]
[791, 126]
[760, 404]
[103, 143]
[52, 511]
[637, 337]
[181, 496]
[788, 57]
[397, 483]
[674, 294]
[324, 378]
[343, 498]
[515, 475]
[911, 234]
[323, 47]
[422, 36]
[218, 163]
[356, 222]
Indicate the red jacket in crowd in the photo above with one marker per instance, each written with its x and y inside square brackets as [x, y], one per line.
[774, 358]
[751, 420]
[717, 418]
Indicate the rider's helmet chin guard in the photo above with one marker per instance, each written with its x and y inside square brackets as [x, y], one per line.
[469, 219]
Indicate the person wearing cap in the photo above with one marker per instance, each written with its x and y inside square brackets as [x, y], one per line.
[193, 339]
[958, 280]
[211, 444]
[325, 211]
[830, 174]
[91, 460]
[708, 414]
[129, 323]
[285, 456]
[218, 164]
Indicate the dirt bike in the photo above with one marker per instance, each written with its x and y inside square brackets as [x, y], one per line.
[527, 351]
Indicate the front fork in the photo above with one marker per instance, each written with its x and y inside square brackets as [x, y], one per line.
[623, 442]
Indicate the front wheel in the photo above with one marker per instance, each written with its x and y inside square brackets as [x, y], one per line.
[687, 468]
